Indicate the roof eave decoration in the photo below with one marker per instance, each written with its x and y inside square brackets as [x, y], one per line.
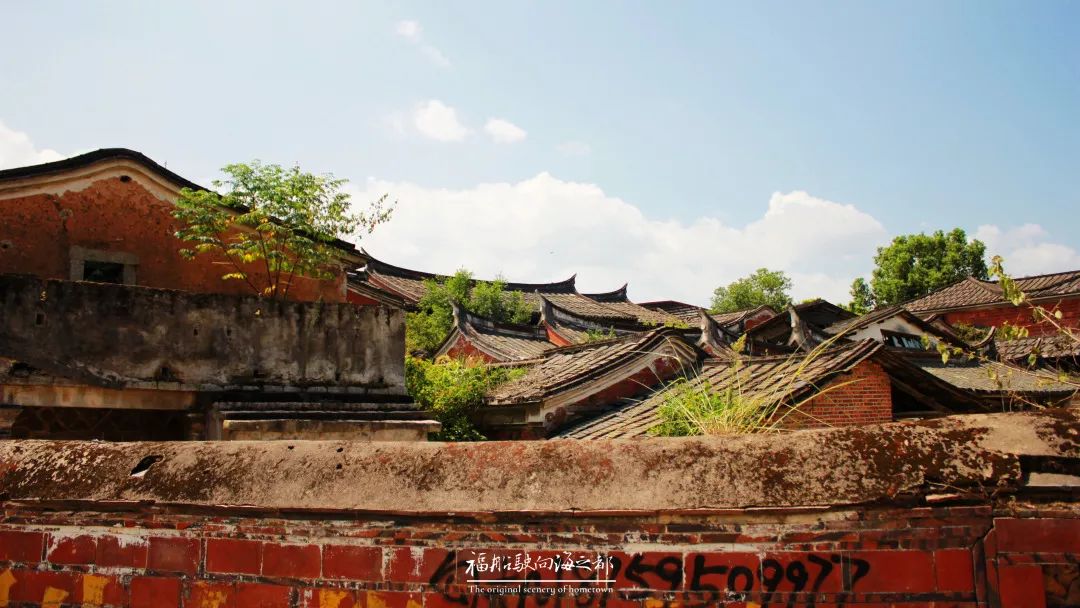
[617, 295]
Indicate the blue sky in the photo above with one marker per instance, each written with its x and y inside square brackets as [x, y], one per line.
[674, 145]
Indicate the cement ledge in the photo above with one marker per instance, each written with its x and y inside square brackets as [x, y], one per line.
[971, 456]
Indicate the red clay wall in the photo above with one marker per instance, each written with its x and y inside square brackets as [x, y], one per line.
[462, 349]
[37, 232]
[860, 398]
[960, 557]
[1019, 316]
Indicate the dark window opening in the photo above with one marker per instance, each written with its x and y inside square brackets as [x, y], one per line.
[103, 272]
[902, 340]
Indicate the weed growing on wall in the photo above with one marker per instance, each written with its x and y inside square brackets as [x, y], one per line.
[693, 406]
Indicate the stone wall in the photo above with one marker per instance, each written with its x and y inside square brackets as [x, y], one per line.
[960, 512]
[122, 336]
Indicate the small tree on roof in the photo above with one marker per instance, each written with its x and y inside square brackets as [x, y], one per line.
[272, 224]
[764, 286]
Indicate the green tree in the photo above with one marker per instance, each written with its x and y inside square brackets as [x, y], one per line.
[426, 329]
[862, 298]
[452, 389]
[763, 287]
[914, 265]
[272, 224]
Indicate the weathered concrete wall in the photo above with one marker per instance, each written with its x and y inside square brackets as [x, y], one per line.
[977, 454]
[959, 513]
[116, 336]
[102, 212]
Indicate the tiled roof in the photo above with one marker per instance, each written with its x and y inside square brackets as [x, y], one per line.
[1047, 347]
[565, 368]
[617, 301]
[976, 292]
[988, 376]
[646, 315]
[727, 318]
[686, 312]
[888, 312]
[618, 295]
[410, 283]
[818, 313]
[579, 305]
[775, 377]
[503, 342]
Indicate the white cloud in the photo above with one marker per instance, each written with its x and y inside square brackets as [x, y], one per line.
[544, 228]
[16, 150]
[574, 148]
[504, 131]
[409, 30]
[435, 55]
[414, 33]
[438, 121]
[1027, 249]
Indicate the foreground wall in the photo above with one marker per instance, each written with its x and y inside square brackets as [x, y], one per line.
[965, 512]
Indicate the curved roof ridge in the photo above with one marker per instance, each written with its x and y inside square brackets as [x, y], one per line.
[378, 266]
[615, 295]
[621, 321]
[97, 156]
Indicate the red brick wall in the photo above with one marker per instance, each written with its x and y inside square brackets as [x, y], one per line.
[463, 349]
[958, 556]
[862, 397]
[1020, 316]
[37, 232]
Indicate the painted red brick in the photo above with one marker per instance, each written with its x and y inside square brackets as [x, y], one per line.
[896, 571]
[388, 599]
[291, 561]
[651, 570]
[352, 562]
[328, 598]
[202, 594]
[454, 600]
[257, 595]
[155, 592]
[30, 585]
[954, 570]
[113, 592]
[72, 550]
[822, 572]
[1021, 586]
[713, 571]
[174, 555]
[1038, 535]
[25, 547]
[233, 556]
[410, 565]
[121, 551]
